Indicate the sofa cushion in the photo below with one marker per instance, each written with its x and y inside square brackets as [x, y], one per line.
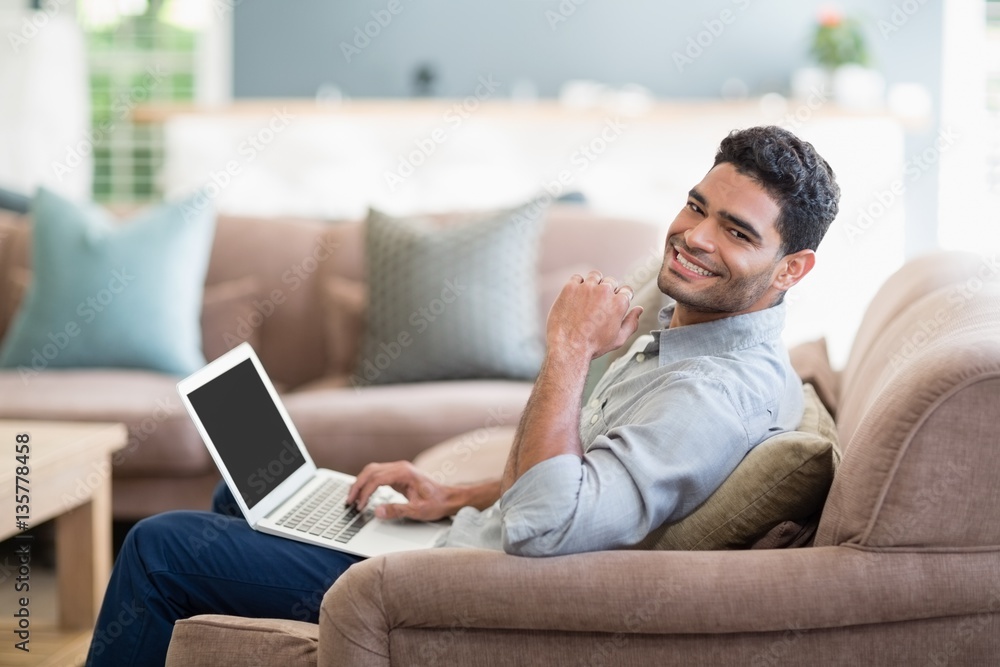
[453, 301]
[812, 363]
[162, 440]
[112, 296]
[228, 316]
[786, 477]
[212, 640]
[345, 428]
[227, 311]
[345, 307]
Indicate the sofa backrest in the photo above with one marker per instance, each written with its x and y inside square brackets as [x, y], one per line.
[286, 260]
[920, 428]
[913, 280]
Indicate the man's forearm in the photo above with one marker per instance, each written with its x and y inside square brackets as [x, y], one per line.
[550, 425]
[480, 496]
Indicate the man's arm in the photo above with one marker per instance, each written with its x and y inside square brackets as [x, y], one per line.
[590, 317]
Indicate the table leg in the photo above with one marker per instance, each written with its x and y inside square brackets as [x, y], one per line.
[83, 558]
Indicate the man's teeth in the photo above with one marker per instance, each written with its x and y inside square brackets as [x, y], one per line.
[692, 267]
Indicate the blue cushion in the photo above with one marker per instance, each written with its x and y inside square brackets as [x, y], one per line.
[112, 295]
[14, 201]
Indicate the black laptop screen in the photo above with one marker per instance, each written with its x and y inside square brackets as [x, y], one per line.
[247, 429]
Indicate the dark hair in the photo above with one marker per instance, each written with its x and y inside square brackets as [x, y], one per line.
[793, 173]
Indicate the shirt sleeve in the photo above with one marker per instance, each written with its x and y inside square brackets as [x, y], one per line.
[679, 443]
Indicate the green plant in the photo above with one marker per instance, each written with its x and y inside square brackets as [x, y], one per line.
[839, 40]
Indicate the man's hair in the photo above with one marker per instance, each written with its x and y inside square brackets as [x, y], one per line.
[793, 174]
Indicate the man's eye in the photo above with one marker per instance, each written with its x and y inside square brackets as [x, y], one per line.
[738, 234]
[694, 207]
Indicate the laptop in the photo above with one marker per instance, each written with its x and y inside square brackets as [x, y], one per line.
[278, 487]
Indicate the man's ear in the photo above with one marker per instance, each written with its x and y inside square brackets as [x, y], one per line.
[793, 268]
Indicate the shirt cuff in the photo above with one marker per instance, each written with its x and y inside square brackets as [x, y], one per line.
[537, 511]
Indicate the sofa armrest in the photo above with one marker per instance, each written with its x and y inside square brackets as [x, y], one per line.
[652, 593]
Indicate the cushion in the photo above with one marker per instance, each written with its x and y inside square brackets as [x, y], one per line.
[812, 363]
[228, 316]
[344, 310]
[345, 306]
[226, 311]
[212, 640]
[14, 201]
[107, 295]
[785, 478]
[453, 301]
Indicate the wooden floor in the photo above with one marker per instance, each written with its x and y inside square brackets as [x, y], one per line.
[48, 646]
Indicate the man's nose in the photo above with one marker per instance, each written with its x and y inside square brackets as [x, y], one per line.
[701, 236]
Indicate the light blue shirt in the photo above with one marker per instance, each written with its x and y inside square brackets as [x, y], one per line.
[665, 426]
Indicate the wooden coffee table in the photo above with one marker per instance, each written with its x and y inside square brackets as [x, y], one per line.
[65, 468]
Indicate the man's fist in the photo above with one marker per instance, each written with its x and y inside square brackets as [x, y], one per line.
[592, 315]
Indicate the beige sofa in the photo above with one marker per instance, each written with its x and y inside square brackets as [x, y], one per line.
[904, 568]
[269, 281]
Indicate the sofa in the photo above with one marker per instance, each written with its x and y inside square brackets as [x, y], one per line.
[903, 567]
[273, 282]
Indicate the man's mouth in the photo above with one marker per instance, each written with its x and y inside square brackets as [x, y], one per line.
[691, 266]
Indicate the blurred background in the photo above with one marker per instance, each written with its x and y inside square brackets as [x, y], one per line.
[317, 108]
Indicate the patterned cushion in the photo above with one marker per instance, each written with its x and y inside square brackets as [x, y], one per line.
[454, 301]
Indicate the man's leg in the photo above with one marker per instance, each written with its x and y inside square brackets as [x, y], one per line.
[179, 564]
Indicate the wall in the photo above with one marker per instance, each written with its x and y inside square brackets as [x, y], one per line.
[292, 49]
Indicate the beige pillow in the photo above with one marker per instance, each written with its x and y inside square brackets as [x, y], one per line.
[344, 303]
[784, 478]
[812, 363]
[229, 317]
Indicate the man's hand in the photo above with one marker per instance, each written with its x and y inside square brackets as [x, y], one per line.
[428, 500]
[591, 316]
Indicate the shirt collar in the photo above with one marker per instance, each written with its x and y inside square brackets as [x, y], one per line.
[718, 336]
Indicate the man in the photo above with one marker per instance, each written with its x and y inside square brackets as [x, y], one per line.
[666, 425]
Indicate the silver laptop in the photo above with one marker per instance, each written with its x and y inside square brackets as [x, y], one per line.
[278, 487]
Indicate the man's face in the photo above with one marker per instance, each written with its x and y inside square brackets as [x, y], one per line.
[723, 252]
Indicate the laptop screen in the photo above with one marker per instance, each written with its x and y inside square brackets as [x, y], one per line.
[244, 424]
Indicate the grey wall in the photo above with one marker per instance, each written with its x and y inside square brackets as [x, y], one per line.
[290, 49]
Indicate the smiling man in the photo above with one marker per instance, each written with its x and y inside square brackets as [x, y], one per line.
[664, 427]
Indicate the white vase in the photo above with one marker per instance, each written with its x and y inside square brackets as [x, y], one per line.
[810, 82]
[858, 88]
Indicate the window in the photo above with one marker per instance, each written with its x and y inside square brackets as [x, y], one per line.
[134, 58]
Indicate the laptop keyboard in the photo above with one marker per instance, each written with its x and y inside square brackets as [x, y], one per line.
[323, 513]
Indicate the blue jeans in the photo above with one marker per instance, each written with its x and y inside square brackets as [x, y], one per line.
[179, 564]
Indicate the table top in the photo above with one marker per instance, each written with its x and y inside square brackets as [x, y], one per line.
[61, 467]
[52, 442]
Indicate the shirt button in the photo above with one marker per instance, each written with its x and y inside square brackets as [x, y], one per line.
[594, 403]
[640, 357]
[593, 420]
